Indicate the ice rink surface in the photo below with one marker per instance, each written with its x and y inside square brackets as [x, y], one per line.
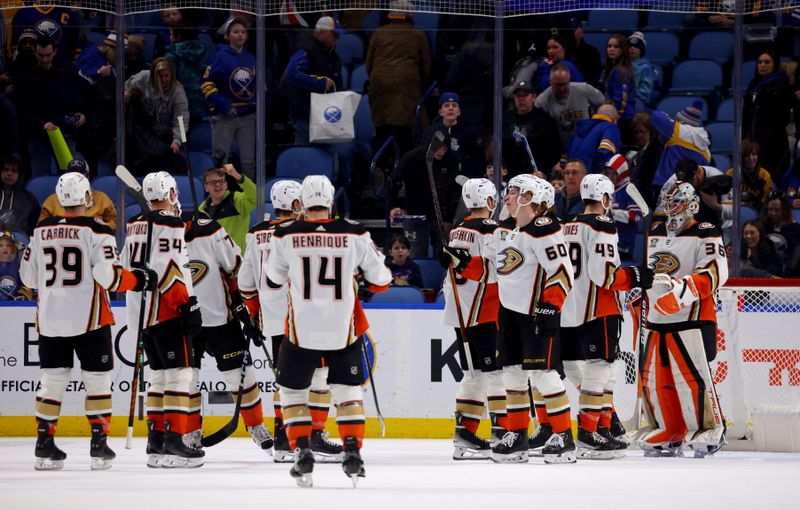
[401, 474]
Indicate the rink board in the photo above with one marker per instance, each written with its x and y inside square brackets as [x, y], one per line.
[416, 372]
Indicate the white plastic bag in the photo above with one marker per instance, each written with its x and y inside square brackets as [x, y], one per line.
[331, 119]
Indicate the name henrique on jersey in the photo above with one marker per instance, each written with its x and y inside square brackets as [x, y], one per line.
[213, 259]
[73, 262]
[272, 298]
[698, 251]
[479, 299]
[320, 259]
[592, 248]
[168, 258]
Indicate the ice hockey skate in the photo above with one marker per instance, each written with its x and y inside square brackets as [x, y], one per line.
[193, 439]
[324, 449]
[155, 446]
[303, 464]
[261, 437]
[618, 447]
[101, 455]
[618, 429]
[352, 464]
[177, 455]
[282, 453]
[559, 449]
[706, 443]
[539, 438]
[512, 448]
[468, 445]
[497, 431]
[48, 456]
[669, 449]
[592, 445]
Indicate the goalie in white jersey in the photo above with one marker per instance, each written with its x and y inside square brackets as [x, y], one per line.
[534, 275]
[319, 258]
[592, 314]
[678, 391]
[73, 262]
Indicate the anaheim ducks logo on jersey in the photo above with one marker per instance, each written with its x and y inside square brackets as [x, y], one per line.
[198, 269]
[665, 262]
[509, 260]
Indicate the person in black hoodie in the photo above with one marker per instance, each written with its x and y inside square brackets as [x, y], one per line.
[19, 209]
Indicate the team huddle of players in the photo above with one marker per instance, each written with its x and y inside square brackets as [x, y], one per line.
[541, 300]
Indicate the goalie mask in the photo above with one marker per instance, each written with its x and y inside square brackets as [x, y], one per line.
[681, 205]
[157, 186]
[73, 189]
[284, 193]
[597, 187]
[317, 191]
[476, 194]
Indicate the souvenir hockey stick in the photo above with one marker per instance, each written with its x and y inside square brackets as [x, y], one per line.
[185, 147]
[135, 190]
[520, 138]
[436, 143]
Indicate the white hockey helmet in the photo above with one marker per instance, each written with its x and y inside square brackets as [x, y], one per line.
[681, 205]
[476, 193]
[549, 193]
[284, 193]
[317, 191]
[157, 185]
[595, 186]
[73, 189]
[526, 183]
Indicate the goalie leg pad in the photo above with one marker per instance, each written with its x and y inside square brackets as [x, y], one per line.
[98, 398]
[54, 383]
[658, 386]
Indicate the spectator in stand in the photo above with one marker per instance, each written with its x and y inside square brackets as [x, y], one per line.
[96, 63]
[557, 52]
[759, 255]
[585, 56]
[767, 103]
[405, 271]
[617, 81]
[49, 96]
[231, 209]
[525, 67]
[9, 126]
[398, 64]
[624, 210]
[172, 17]
[596, 139]
[134, 60]
[229, 86]
[101, 207]
[10, 284]
[313, 67]
[23, 57]
[568, 201]
[643, 155]
[783, 231]
[568, 103]
[756, 181]
[19, 209]
[465, 140]
[536, 126]
[188, 57]
[54, 23]
[644, 74]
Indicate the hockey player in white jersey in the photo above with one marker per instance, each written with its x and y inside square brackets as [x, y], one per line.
[592, 314]
[171, 317]
[319, 258]
[534, 275]
[73, 262]
[479, 307]
[678, 391]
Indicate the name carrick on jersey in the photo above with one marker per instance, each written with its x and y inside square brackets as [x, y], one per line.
[73, 262]
[531, 263]
[697, 251]
[319, 259]
[168, 258]
[272, 298]
[592, 247]
[479, 299]
[213, 259]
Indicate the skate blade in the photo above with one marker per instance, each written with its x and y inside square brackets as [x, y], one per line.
[42, 464]
[354, 479]
[154, 460]
[463, 453]
[328, 458]
[177, 462]
[589, 454]
[662, 453]
[562, 458]
[98, 464]
[535, 452]
[304, 481]
[283, 457]
[510, 458]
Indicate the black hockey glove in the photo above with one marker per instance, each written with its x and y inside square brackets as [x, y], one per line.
[146, 280]
[641, 276]
[458, 258]
[546, 321]
[250, 330]
[192, 320]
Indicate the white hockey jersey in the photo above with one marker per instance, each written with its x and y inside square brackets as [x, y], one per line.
[213, 259]
[319, 260]
[697, 251]
[479, 299]
[170, 261]
[73, 262]
[272, 298]
[531, 262]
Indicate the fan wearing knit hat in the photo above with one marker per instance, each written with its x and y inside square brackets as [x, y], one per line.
[692, 114]
[684, 137]
[624, 210]
[643, 71]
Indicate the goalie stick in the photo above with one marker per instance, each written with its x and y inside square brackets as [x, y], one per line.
[135, 190]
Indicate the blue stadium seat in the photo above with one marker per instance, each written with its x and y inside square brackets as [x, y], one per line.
[350, 49]
[131, 210]
[199, 138]
[371, 21]
[268, 209]
[748, 73]
[208, 43]
[662, 47]
[665, 20]
[747, 214]
[95, 38]
[149, 45]
[185, 192]
[108, 185]
[674, 104]
[722, 161]
[598, 40]
[725, 111]
[432, 272]
[613, 20]
[721, 134]
[796, 215]
[428, 22]
[717, 46]
[404, 295]
[298, 162]
[696, 77]
[200, 162]
[363, 123]
[345, 77]
[42, 187]
[358, 78]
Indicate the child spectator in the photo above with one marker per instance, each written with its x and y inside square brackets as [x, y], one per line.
[643, 71]
[405, 271]
[9, 267]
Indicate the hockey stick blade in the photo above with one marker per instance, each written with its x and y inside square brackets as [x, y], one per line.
[636, 196]
[134, 188]
[230, 427]
[182, 129]
[461, 179]
[436, 143]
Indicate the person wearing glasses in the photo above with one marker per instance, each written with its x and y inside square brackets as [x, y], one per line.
[231, 209]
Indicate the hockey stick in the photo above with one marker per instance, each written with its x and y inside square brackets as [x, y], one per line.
[135, 189]
[372, 385]
[436, 143]
[520, 138]
[188, 163]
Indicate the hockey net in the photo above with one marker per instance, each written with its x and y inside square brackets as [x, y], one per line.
[757, 368]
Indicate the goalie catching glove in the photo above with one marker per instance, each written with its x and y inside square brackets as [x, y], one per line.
[546, 321]
[146, 280]
[192, 320]
[458, 258]
[674, 295]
